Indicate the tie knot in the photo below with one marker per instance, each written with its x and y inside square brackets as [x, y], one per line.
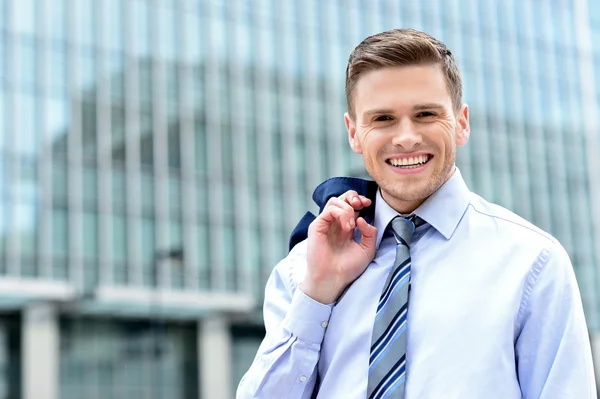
[403, 229]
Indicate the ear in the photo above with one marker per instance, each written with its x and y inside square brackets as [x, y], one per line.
[463, 130]
[352, 137]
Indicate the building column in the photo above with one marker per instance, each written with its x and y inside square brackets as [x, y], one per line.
[40, 352]
[595, 342]
[214, 357]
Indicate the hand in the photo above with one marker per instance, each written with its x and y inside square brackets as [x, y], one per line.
[334, 259]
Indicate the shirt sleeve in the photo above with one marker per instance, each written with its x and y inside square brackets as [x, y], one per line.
[553, 352]
[285, 364]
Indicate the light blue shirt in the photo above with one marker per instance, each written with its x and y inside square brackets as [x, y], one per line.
[495, 312]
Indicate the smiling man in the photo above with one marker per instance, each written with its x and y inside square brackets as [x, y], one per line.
[411, 286]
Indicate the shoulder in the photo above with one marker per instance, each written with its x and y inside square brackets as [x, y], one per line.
[500, 227]
[505, 222]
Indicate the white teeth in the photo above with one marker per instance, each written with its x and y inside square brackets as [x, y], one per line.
[410, 162]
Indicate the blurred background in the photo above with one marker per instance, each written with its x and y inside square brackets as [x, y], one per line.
[156, 154]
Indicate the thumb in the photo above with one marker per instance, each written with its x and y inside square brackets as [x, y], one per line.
[369, 235]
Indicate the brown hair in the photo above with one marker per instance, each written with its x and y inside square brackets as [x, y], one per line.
[402, 47]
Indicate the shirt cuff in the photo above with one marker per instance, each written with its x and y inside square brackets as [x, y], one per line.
[307, 319]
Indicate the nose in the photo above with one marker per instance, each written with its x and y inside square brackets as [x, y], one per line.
[406, 135]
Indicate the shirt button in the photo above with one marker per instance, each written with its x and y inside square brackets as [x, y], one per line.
[303, 378]
[324, 324]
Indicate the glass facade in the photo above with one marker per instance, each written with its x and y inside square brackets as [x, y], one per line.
[173, 144]
[133, 359]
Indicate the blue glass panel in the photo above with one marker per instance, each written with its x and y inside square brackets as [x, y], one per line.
[3, 13]
[90, 235]
[25, 59]
[85, 23]
[114, 22]
[27, 122]
[57, 119]
[166, 33]
[24, 17]
[119, 237]
[140, 25]
[27, 219]
[57, 20]
[58, 72]
[3, 123]
[3, 60]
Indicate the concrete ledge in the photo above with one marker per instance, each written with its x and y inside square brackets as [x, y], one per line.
[112, 300]
[168, 304]
[20, 291]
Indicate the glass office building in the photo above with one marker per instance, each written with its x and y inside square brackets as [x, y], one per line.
[156, 154]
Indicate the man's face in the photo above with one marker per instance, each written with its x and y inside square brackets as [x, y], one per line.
[407, 131]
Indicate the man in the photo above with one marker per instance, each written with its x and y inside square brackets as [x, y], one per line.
[411, 286]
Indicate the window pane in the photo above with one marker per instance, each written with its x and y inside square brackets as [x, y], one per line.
[60, 232]
[26, 215]
[114, 24]
[24, 17]
[57, 19]
[90, 235]
[26, 124]
[3, 121]
[90, 187]
[58, 73]
[58, 119]
[85, 22]
[148, 251]
[119, 237]
[140, 14]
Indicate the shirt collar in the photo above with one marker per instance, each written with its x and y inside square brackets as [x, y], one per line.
[442, 210]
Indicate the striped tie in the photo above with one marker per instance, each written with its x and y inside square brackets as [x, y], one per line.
[387, 363]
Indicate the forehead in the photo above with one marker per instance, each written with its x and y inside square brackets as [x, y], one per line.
[405, 86]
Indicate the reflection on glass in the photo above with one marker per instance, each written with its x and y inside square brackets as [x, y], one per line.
[3, 122]
[168, 45]
[114, 23]
[90, 186]
[127, 359]
[57, 22]
[148, 248]
[57, 118]
[57, 82]
[26, 123]
[3, 77]
[60, 232]
[119, 237]
[87, 76]
[147, 181]
[193, 51]
[26, 225]
[139, 19]
[90, 235]
[24, 17]
[85, 22]
[119, 188]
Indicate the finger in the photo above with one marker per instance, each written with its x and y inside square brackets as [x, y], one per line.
[350, 197]
[344, 217]
[355, 200]
[340, 203]
[369, 234]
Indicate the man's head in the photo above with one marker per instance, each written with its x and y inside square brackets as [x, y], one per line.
[405, 113]
[402, 47]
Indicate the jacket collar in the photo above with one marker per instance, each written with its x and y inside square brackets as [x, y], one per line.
[443, 210]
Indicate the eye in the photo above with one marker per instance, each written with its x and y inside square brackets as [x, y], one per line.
[425, 114]
[382, 118]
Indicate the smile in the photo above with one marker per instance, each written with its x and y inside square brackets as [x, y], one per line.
[410, 162]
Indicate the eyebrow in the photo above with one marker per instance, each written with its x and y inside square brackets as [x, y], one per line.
[421, 107]
[418, 107]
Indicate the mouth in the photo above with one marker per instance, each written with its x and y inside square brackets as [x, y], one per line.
[410, 162]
